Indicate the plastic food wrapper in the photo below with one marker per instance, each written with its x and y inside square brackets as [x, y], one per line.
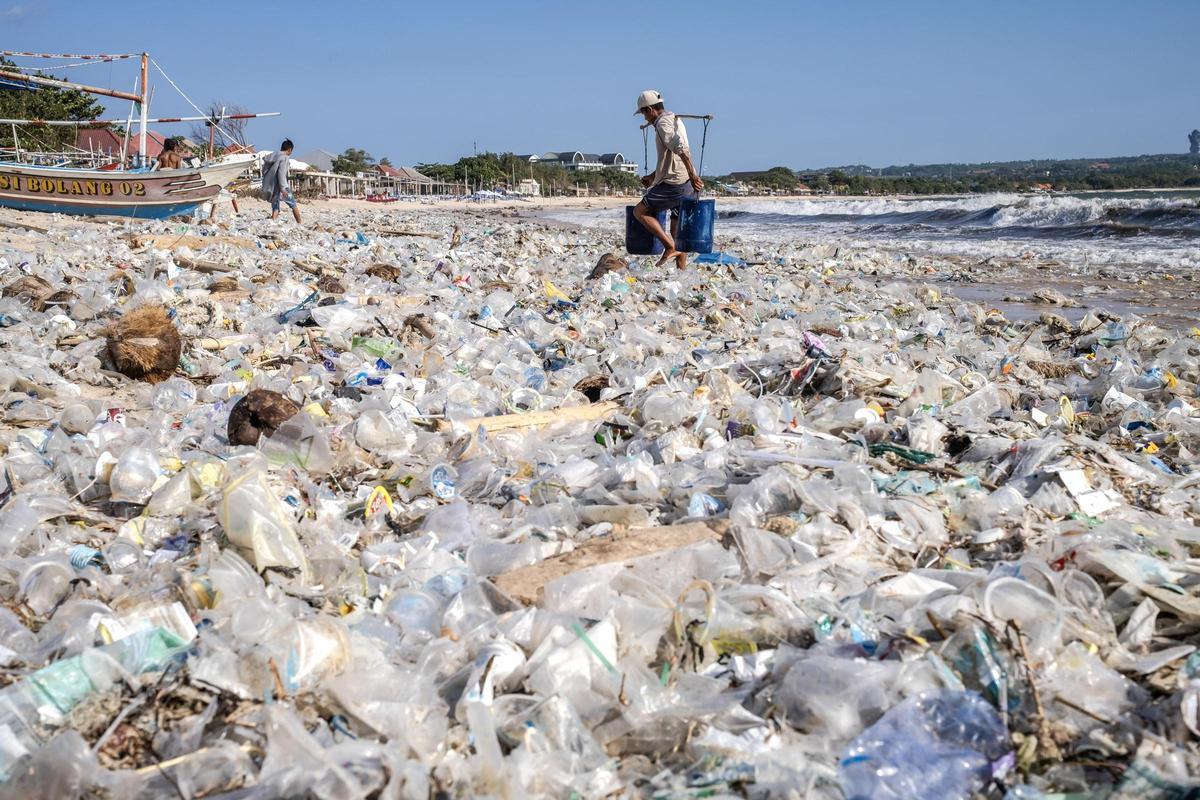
[801, 520]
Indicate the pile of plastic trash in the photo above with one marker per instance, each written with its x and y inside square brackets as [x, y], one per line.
[787, 524]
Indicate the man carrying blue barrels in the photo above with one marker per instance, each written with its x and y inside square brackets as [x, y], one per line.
[674, 178]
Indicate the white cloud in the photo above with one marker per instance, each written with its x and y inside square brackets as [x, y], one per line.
[16, 12]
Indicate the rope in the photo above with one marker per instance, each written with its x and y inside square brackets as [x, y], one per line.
[703, 142]
[101, 57]
[40, 70]
[199, 111]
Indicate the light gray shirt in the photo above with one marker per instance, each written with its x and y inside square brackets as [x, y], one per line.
[275, 174]
[670, 142]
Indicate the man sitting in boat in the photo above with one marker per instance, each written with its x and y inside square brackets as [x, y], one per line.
[275, 184]
[170, 157]
[673, 179]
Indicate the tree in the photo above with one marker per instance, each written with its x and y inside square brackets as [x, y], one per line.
[48, 102]
[385, 162]
[233, 127]
[353, 161]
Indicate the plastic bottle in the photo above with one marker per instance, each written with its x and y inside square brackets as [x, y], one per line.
[946, 745]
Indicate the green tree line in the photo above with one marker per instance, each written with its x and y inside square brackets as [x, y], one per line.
[45, 103]
[489, 170]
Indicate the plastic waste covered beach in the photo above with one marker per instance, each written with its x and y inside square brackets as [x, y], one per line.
[426, 510]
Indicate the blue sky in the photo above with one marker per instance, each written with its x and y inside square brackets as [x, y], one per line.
[794, 83]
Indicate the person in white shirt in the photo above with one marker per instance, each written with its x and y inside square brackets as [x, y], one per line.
[674, 178]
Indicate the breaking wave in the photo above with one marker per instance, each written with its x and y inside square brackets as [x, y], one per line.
[996, 215]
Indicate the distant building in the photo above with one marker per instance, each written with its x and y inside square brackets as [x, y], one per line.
[1100, 165]
[578, 161]
[529, 188]
[321, 160]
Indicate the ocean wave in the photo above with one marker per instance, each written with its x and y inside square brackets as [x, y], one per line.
[1035, 215]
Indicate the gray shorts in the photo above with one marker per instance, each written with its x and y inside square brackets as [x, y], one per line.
[283, 197]
[668, 196]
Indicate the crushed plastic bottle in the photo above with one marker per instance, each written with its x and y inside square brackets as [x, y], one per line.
[951, 744]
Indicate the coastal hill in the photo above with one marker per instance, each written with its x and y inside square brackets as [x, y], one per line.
[1167, 170]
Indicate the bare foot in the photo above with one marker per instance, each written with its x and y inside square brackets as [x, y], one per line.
[681, 260]
[667, 256]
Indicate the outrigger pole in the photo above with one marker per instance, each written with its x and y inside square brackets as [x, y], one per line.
[103, 123]
[38, 80]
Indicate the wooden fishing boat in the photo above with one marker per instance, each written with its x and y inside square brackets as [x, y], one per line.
[128, 187]
[131, 193]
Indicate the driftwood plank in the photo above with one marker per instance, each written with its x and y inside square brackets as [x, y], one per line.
[525, 584]
[534, 418]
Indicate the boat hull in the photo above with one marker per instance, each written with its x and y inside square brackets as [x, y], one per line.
[92, 192]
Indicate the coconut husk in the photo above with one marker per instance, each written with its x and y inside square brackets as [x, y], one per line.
[1056, 322]
[385, 272]
[330, 285]
[260, 412]
[607, 263]
[1052, 369]
[421, 324]
[144, 344]
[225, 283]
[32, 287]
[591, 386]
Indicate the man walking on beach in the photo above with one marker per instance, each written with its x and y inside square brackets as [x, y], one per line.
[275, 184]
[673, 179]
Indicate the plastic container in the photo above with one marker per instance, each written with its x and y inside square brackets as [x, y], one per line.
[696, 218]
[638, 240]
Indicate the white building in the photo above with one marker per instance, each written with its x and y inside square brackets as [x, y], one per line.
[529, 188]
[578, 161]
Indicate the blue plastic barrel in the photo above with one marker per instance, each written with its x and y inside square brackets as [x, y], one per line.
[696, 226]
[638, 240]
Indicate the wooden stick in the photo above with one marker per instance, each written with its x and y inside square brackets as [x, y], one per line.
[23, 226]
[207, 267]
[404, 232]
[170, 762]
[169, 242]
[527, 583]
[533, 418]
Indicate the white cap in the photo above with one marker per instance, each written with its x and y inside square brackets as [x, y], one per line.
[648, 98]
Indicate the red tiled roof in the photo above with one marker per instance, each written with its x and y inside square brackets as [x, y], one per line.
[104, 140]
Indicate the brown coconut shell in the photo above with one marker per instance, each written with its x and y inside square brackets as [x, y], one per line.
[385, 272]
[607, 263]
[225, 283]
[260, 412]
[591, 386]
[330, 285]
[144, 344]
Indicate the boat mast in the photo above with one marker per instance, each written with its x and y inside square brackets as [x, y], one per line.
[145, 102]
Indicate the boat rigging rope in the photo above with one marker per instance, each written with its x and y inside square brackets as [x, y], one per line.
[101, 57]
[67, 66]
[199, 111]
